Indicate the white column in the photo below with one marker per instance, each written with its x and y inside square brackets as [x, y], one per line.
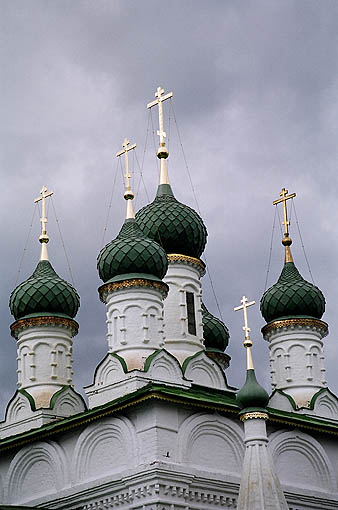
[180, 339]
[260, 487]
[44, 361]
[135, 323]
[296, 360]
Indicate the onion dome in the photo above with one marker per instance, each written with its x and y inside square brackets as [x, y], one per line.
[252, 395]
[44, 293]
[215, 333]
[175, 226]
[292, 296]
[132, 253]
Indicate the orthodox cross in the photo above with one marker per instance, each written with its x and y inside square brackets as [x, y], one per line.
[245, 304]
[247, 342]
[285, 197]
[44, 194]
[160, 98]
[126, 148]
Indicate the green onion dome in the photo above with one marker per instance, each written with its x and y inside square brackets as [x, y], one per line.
[215, 333]
[252, 395]
[132, 252]
[44, 293]
[292, 296]
[175, 226]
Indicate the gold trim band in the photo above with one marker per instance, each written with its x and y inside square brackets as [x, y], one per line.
[21, 324]
[186, 259]
[299, 321]
[134, 282]
[255, 414]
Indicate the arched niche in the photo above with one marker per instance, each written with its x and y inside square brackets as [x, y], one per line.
[36, 471]
[212, 442]
[105, 448]
[301, 461]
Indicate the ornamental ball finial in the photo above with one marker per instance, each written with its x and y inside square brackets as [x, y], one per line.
[286, 241]
[162, 152]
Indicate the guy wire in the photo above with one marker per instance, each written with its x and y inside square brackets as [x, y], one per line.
[110, 204]
[301, 241]
[198, 208]
[62, 242]
[270, 251]
[26, 243]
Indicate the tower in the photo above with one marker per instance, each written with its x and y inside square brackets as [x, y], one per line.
[260, 487]
[182, 233]
[293, 308]
[132, 267]
[44, 307]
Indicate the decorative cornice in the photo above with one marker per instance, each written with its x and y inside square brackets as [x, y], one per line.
[180, 494]
[253, 415]
[30, 322]
[186, 259]
[297, 322]
[108, 288]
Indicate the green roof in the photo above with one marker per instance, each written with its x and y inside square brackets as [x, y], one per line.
[215, 333]
[44, 293]
[175, 226]
[131, 252]
[292, 296]
[197, 397]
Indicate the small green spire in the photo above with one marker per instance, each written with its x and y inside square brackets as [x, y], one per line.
[252, 396]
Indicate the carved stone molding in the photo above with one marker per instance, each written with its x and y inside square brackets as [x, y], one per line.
[294, 324]
[107, 288]
[61, 322]
[186, 259]
[168, 496]
[253, 415]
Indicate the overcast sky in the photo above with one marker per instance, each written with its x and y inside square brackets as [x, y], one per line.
[255, 88]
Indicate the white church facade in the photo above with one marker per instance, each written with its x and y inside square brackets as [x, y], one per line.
[163, 429]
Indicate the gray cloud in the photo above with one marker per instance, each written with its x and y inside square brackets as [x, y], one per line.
[255, 98]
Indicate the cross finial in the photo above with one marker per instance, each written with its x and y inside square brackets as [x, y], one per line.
[287, 241]
[43, 237]
[247, 342]
[284, 197]
[128, 194]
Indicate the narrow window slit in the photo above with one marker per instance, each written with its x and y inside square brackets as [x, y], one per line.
[191, 313]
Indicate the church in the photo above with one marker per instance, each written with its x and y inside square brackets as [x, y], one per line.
[163, 428]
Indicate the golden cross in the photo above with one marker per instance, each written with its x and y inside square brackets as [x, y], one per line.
[126, 148]
[285, 197]
[245, 304]
[247, 342]
[160, 98]
[43, 219]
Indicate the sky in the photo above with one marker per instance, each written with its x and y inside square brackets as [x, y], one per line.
[255, 109]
